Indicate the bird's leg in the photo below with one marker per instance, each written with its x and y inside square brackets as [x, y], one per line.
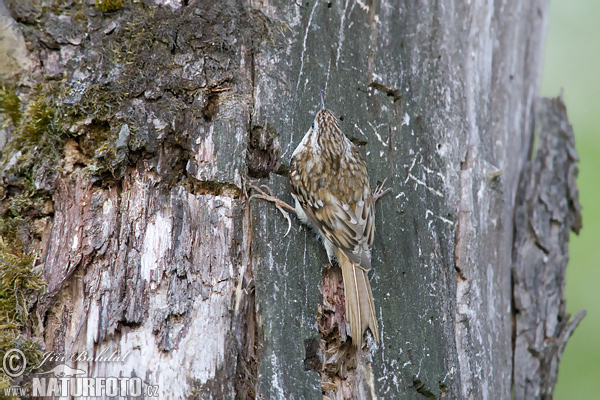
[379, 191]
[278, 203]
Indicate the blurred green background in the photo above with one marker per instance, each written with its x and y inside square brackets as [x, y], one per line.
[572, 63]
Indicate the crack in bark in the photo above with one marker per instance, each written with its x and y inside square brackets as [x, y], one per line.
[395, 93]
[248, 330]
[422, 389]
[214, 188]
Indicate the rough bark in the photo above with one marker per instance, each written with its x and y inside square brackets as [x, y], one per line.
[548, 209]
[148, 247]
[162, 112]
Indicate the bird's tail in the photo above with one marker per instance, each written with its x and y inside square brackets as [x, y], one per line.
[360, 310]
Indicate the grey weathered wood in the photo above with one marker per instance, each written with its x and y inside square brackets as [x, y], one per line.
[443, 96]
[171, 112]
[548, 209]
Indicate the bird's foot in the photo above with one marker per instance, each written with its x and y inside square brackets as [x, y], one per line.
[262, 194]
[379, 191]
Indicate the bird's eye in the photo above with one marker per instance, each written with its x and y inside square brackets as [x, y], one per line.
[313, 125]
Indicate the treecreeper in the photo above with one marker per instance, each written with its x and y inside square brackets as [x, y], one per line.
[332, 193]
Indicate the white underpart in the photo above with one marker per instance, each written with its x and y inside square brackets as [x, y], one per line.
[309, 140]
[329, 247]
[301, 146]
[299, 211]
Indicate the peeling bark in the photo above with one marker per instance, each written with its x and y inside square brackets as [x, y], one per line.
[147, 254]
[547, 210]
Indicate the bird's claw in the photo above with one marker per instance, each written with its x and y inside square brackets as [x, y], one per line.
[379, 191]
[278, 203]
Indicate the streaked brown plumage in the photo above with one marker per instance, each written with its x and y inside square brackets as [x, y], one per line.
[331, 188]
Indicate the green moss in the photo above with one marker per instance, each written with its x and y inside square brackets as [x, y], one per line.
[109, 5]
[33, 153]
[20, 282]
[9, 104]
[38, 134]
[35, 147]
[34, 144]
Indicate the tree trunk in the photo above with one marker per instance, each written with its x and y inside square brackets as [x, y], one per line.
[137, 127]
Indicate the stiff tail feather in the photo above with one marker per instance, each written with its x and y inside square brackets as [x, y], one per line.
[360, 310]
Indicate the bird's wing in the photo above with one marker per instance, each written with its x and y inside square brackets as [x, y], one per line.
[349, 228]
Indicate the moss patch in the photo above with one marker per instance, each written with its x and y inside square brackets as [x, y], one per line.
[33, 150]
[109, 5]
[9, 104]
[20, 282]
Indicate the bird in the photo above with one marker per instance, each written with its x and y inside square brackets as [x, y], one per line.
[332, 194]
